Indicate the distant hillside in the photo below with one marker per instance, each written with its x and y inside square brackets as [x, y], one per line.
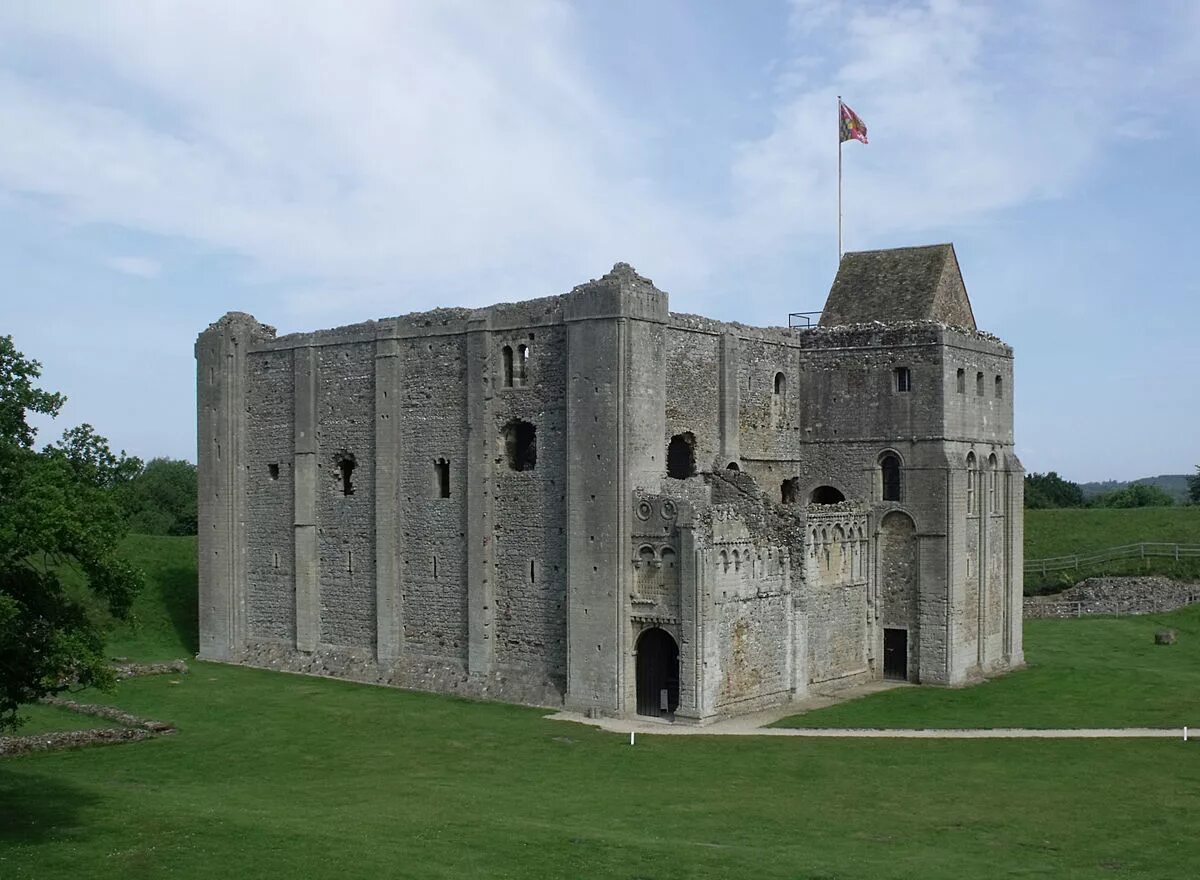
[1174, 485]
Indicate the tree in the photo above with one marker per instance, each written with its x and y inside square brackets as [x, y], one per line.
[1194, 486]
[1050, 490]
[1135, 495]
[59, 519]
[161, 499]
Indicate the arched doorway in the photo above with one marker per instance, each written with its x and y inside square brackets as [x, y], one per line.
[657, 673]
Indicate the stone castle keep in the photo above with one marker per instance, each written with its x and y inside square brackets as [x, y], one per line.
[588, 499]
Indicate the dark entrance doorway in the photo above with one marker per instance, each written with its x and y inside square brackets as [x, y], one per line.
[657, 673]
[895, 654]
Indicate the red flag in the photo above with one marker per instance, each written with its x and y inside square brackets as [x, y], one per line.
[852, 127]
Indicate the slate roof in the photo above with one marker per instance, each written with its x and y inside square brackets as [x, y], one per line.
[899, 284]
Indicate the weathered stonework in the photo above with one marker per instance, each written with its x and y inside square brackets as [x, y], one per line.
[588, 500]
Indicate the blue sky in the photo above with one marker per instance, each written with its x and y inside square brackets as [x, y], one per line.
[323, 163]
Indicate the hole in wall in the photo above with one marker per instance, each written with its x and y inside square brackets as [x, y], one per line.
[520, 445]
[681, 456]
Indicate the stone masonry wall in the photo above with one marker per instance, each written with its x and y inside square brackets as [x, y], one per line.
[530, 511]
[346, 427]
[270, 556]
[433, 426]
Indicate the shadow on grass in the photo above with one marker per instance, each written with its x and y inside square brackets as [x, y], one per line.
[180, 593]
[36, 808]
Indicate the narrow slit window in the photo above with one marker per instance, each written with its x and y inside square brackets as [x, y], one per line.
[903, 379]
[979, 384]
[961, 381]
[435, 568]
[441, 469]
[999, 387]
[346, 465]
[532, 572]
[350, 561]
[971, 474]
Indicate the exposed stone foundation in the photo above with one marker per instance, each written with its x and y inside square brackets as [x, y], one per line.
[1115, 595]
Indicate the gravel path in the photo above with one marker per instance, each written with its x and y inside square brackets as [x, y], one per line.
[752, 726]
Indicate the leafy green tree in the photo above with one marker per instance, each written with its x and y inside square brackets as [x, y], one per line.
[1194, 486]
[1044, 491]
[59, 519]
[1135, 495]
[161, 500]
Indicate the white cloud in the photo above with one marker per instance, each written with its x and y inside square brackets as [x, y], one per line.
[141, 267]
[409, 151]
[971, 108]
[424, 141]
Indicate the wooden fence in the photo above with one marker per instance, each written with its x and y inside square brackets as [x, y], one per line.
[1144, 550]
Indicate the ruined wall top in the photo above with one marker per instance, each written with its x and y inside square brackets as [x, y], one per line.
[900, 284]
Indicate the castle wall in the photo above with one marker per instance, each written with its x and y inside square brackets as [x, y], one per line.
[270, 559]
[364, 511]
[345, 397]
[432, 416]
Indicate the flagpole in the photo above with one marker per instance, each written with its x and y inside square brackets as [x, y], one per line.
[839, 131]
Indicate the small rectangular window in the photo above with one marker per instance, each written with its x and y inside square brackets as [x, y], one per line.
[999, 387]
[903, 379]
[962, 381]
[979, 384]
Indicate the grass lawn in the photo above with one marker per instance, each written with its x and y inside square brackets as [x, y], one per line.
[1050, 533]
[1090, 672]
[274, 775]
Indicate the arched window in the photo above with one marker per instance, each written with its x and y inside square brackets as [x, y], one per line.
[780, 385]
[732, 466]
[979, 384]
[889, 470]
[723, 561]
[506, 355]
[961, 381]
[522, 364]
[999, 387]
[971, 476]
[681, 456]
[993, 485]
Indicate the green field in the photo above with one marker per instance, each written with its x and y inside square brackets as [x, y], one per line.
[1050, 533]
[273, 775]
[1091, 672]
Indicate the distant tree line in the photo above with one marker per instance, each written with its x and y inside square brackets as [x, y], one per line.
[1049, 490]
[160, 497]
